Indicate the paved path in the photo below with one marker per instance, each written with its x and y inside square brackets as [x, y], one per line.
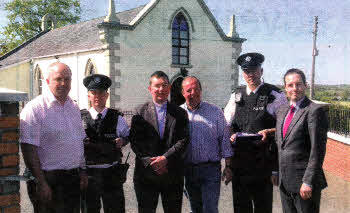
[335, 199]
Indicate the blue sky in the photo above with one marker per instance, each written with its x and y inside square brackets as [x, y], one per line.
[280, 29]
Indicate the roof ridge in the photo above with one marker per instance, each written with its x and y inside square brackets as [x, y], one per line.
[100, 17]
[25, 43]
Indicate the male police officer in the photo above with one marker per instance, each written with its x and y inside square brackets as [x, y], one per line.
[107, 133]
[251, 109]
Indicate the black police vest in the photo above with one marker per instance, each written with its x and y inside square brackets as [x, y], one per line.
[251, 116]
[101, 147]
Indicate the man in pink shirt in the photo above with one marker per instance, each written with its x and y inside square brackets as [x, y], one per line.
[51, 136]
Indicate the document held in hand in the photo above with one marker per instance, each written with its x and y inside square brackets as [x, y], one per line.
[242, 137]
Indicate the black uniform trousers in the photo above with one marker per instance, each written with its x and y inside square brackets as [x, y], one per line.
[65, 188]
[293, 203]
[252, 196]
[147, 195]
[104, 183]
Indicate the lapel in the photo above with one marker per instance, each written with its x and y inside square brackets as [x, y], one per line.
[152, 116]
[297, 116]
[169, 121]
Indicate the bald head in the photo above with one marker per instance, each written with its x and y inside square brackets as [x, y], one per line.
[59, 80]
[58, 67]
[192, 92]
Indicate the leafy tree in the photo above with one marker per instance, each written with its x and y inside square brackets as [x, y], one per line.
[25, 19]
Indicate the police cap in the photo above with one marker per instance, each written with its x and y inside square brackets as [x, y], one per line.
[97, 82]
[250, 61]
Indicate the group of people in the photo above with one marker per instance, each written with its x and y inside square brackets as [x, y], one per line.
[264, 138]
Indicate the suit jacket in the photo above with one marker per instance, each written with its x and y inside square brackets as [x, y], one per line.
[302, 150]
[146, 142]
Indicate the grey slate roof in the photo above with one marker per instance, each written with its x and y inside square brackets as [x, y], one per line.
[71, 38]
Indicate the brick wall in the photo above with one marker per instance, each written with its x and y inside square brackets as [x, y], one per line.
[9, 157]
[337, 160]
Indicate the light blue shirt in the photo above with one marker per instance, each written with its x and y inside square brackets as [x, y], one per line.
[209, 135]
[161, 117]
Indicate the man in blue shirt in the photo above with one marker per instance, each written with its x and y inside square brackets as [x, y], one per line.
[209, 144]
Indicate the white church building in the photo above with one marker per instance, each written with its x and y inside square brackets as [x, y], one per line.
[179, 37]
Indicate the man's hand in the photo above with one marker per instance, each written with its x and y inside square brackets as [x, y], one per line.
[119, 143]
[233, 138]
[159, 164]
[44, 192]
[305, 191]
[274, 180]
[226, 175]
[266, 133]
[83, 180]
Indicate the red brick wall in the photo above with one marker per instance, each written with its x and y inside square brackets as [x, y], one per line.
[9, 158]
[337, 160]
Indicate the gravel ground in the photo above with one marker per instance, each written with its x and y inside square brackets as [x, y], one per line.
[335, 198]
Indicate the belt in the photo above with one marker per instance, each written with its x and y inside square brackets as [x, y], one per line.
[74, 171]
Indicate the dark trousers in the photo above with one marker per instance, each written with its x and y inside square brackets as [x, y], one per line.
[252, 197]
[293, 203]
[203, 183]
[147, 195]
[104, 184]
[65, 188]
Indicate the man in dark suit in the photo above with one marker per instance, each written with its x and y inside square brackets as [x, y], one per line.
[301, 134]
[159, 136]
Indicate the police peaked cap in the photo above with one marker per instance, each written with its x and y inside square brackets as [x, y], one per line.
[97, 82]
[250, 61]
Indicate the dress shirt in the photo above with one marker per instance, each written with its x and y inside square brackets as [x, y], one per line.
[280, 99]
[161, 117]
[122, 131]
[56, 130]
[209, 135]
[297, 107]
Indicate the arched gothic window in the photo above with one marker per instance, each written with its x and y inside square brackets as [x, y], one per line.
[38, 81]
[180, 40]
[90, 68]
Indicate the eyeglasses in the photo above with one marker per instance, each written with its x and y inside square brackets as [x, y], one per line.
[158, 86]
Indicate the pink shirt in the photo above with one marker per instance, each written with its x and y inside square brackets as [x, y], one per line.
[56, 130]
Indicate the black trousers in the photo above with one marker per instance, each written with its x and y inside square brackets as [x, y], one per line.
[65, 187]
[147, 195]
[293, 203]
[103, 184]
[252, 197]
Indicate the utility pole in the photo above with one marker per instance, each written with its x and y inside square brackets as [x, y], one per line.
[314, 54]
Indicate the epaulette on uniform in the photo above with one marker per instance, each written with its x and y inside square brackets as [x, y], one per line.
[84, 111]
[117, 111]
[238, 88]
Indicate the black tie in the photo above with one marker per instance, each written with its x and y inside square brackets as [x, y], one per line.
[98, 122]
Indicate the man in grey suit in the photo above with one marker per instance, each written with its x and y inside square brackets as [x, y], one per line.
[159, 136]
[301, 135]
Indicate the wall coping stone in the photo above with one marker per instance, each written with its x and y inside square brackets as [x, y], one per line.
[8, 95]
[339, 138]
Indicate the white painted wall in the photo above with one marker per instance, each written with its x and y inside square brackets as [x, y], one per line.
[148, 48]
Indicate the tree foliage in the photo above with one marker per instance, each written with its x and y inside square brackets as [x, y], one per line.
[25, 19]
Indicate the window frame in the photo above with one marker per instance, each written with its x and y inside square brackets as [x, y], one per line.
[180, 42]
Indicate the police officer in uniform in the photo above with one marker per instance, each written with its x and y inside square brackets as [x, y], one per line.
[107, 132]
[251, 109]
